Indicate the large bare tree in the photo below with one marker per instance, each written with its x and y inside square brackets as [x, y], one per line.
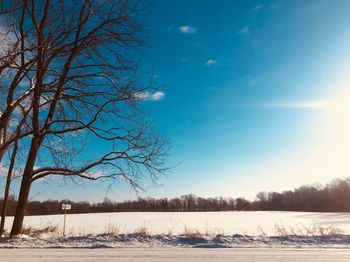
[15, 91]
[79, 87]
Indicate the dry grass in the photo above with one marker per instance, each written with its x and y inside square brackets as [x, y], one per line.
[142, 231]
[319, 230]
[112, 229]
[261, 232]
[308, 230]
[38, 232]
[192, 233]
[5, 233]
[280, 230]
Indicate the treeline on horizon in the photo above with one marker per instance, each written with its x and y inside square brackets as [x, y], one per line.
[334, 197]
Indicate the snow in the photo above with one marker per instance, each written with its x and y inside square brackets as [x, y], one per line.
[196, 229]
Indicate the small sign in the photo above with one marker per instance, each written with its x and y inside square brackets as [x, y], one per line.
[66, 206]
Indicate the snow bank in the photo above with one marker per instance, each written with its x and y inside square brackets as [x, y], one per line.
[157, 241]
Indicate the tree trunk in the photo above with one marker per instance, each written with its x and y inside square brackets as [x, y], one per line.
[7, 188]
[2, 152]
[25, 188]
[2, 140]
[20, 208]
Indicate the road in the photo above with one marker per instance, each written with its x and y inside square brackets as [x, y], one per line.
[174, 255]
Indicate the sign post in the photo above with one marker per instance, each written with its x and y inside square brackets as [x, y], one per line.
[65, 207]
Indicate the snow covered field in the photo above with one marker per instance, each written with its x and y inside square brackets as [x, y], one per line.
[244, 223]
[200, 229]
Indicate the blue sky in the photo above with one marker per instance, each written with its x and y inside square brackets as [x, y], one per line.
[251, 97]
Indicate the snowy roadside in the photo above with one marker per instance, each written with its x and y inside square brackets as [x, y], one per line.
[181, 229]
[158, 241]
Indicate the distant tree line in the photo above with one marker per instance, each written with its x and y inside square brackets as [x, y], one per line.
[334, 197]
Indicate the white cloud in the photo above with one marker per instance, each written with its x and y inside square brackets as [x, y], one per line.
[243, 31]
[149, 96]
[257, 8]
[211, 62]
[186, 29]
[157, 95]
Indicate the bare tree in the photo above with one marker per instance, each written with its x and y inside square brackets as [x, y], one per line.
[22, 125]
[15, 91]
[85, 90]
[7, 187]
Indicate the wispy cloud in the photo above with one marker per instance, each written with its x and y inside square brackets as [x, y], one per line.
[211, 62]
[316, 104]
[186, 29]
[274, 6]
[256, 8]
[7, 37]
[3, 169]
[308, 104]
[170, 28]
[183, 59]
[243, 31]
[252, 82]
[149, 96]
